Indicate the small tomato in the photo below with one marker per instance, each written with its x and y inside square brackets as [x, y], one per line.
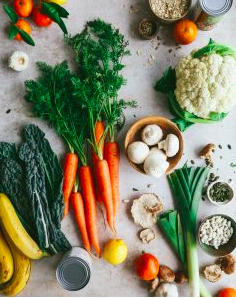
[227, 292]
[24, 25]
[40, 19]
[147, 266]
[185, 31]
[23, 8]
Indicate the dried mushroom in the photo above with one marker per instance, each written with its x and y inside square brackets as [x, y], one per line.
[145, 209]
[212, 273]
[166, 274]
[207, 153]
[147, 235]
[227, 264]
[180, 277]
[154, 284]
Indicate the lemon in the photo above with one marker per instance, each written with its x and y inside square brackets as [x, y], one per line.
[59, 2]
[115, 251]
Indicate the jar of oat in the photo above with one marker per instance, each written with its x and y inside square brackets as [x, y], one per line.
[170, 11]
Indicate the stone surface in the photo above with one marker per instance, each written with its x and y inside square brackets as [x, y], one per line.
[148, 60]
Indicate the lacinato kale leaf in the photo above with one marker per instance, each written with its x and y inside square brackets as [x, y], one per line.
[31, 177]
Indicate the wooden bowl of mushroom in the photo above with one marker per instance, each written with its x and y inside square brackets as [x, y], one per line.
[154, 146]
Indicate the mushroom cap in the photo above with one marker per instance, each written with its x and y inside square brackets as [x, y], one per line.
[213, 273]
[155, 165]
[172, 147]
[166, 289]
[147, 235]
[145, 209]
[151, 134]
[18, 61]
[159, 152]
[138, 152]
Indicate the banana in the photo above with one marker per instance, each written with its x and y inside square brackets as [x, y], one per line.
[13, 229]
[22, 269]
[6, 261]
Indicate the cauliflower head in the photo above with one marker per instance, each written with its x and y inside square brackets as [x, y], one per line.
[206, 84]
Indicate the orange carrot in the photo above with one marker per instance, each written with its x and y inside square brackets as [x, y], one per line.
[70, 169]
[112, 156]
[88, 191]
[78, 207]
[98, 133]
[104, 187]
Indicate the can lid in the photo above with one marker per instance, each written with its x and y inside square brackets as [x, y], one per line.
[73, 273]
[216, 8]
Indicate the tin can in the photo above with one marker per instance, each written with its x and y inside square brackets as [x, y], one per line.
[74, 270]
[208, 13]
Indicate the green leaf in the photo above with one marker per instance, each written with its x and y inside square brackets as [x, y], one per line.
[13, 32]
[63, 13]
[11, 13]
[168, 81]
[214, 48]
[181, 123]
[62, 26]
[217, 116]
[25, 36]
[50, 11]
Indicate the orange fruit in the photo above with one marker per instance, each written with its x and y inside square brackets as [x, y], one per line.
[227, 292]
[23, 8]
[24, 25]
[185, 31]
[147, 266]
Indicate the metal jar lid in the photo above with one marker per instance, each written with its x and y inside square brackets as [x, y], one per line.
[216, 7]
[73, 273]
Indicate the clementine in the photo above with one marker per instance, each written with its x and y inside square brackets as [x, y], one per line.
[23, 8]
[24, 25]
[185, 31]
[227, 292]
[147, 266]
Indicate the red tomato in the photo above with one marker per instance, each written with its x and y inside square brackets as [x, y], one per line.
[40, 19]
[147, 266]
[227, 292]
[23, 8]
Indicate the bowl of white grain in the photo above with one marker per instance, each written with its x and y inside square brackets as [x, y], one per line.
[168, 11]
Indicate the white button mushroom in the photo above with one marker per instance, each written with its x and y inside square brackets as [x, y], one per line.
[159, 152]
[151, 134]
[18, 61]
[155, 165]
[137, 152]
[166, 289]
[170, 145]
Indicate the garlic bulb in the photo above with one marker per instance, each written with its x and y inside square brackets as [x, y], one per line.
[18, 61]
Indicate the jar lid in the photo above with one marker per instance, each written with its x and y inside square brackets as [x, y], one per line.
[216, 8]
[73, 273]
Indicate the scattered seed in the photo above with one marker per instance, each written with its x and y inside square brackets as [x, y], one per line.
[8, 111]
[220, 146]
[135, 189]
[233, 164]
[125, 201]
[151, 186]
[192, 162]
[229, 146]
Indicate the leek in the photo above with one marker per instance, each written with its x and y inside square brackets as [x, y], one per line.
[179, 225]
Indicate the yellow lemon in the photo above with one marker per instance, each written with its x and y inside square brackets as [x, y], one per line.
[115, 251]
[59, 2]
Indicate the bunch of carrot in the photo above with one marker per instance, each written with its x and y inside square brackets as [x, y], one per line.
[98, 51]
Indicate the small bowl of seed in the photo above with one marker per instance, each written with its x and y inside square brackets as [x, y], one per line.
[148, 28]
[216, 235]
[220, 193]
[169, 12]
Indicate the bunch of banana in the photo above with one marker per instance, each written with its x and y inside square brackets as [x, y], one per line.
[16, 250]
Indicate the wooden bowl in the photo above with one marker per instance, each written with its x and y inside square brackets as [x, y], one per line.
[167, 126]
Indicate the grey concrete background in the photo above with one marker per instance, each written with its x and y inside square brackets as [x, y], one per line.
[148, 60]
